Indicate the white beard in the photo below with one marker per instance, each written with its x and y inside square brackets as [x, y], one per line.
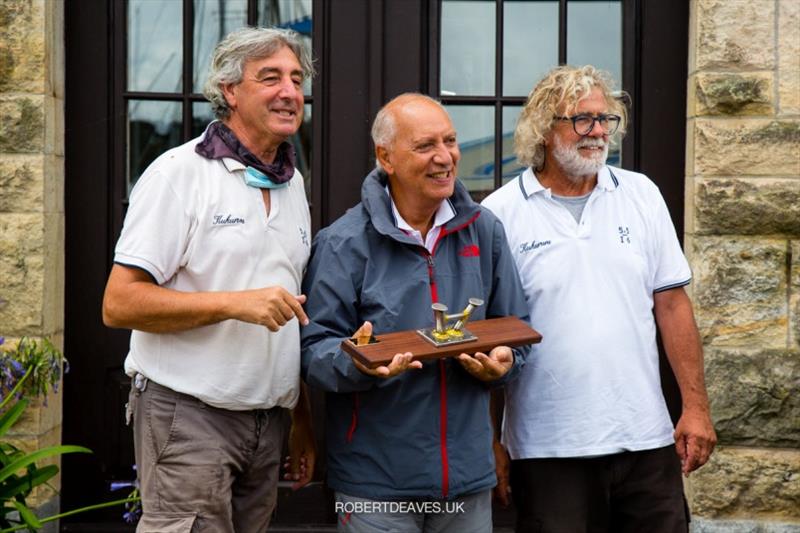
[576, 166]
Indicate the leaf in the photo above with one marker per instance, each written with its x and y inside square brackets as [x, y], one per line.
[27, 515]
[24, 461]
[12, 415]
[12, 487]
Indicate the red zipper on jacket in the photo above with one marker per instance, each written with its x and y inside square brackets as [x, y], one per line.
[354, 419]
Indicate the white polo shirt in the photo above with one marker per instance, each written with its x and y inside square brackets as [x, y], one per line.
[592, 386]
[195, 225]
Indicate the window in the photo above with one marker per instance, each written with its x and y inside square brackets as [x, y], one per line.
[167, 52]
[492, 53]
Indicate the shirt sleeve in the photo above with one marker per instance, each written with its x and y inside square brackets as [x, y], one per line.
[155, 233]
[670, 268]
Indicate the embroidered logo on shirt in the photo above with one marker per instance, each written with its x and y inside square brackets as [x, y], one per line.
[226, 220]
[624, 235]
[303, 236]
[470, 250]
[526, 247]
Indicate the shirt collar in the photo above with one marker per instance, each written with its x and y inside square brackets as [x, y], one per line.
[529, 183]
[443, 215]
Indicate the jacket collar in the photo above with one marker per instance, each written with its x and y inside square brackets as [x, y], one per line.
[379, 207]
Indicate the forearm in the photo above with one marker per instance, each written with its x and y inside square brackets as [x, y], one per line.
[683, 346]
[144, 306]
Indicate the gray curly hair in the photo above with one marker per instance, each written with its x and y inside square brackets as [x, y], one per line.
[562, 85]
[241, 46]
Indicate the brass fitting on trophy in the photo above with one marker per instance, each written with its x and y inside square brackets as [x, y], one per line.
[443, 331]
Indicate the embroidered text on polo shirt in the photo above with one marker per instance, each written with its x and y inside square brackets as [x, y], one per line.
[226, 220]
[526, 247]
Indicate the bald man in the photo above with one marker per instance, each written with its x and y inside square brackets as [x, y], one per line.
[409, 444]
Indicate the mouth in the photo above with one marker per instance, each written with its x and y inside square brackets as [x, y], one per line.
[285, 113]
[444, 175]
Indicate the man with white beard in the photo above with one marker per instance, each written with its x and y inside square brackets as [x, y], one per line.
[589, 438]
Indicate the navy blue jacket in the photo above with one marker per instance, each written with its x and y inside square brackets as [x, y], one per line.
[424, 433]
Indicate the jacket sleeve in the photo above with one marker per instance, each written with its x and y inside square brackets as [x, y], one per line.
[507, 297]
[331, 287]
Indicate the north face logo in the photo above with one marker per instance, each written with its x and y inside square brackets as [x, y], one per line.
[470, 250]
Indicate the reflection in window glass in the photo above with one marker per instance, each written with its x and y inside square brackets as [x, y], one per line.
[290, 14]
[468, 48]
[153, 128]
[594, 35]
[155, 45]
[213, 20]
[201, 117]
[511, 168]
[530, 44]
[475, 129]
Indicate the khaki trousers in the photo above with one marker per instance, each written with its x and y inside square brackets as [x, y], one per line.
[200, 468]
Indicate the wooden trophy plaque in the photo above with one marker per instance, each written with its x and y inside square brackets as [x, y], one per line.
[482, 336]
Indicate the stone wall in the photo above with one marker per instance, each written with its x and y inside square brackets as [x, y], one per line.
[31, 193]
[743, 242]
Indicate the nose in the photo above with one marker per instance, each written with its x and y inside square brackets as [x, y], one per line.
[443, 155]
[597, 130]
[288, 89]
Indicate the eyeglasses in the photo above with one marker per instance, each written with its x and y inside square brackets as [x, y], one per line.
[583, 124]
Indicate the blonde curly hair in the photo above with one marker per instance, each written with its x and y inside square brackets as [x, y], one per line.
[562, 85]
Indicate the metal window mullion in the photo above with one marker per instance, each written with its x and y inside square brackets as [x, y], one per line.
[562, 32]
[252, 13]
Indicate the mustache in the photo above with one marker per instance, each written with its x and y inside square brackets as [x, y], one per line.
[591, 143]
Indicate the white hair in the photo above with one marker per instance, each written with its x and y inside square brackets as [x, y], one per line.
[384, 127]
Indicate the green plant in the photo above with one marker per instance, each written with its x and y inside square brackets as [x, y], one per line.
[28, 370]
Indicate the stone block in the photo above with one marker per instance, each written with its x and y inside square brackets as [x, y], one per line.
[705, 525]
[755, 396]
[40, 417]
[53, 275]
[735, 34]
[794, 297]
[54, 125]
[747, 206]
[739, 291]
[22, 46]
[747, 93]
[22, 127]
[21, 183]
[21, 273]
[789, 57]
[747, 146]
[53, 183]
[747, 482]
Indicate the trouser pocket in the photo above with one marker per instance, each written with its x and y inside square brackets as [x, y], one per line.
[166, 523]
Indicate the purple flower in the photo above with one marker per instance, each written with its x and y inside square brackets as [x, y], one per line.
[2, 340]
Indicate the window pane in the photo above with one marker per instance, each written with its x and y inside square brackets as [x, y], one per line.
[201, 116]
[475, 127]
[291, 14]
[154, 45]
[530, 44]
[594, 35]
[213, 20]
[468, 48]
[153, 128]
[511, 167]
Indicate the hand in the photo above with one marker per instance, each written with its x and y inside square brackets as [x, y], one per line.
[502, 467]
[299, 464]
[488, 367]
[694, 439]
[272, 307]
[400, 361]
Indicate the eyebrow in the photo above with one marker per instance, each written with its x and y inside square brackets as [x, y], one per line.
[273, 70]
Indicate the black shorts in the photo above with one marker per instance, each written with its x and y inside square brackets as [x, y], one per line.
[625, 492]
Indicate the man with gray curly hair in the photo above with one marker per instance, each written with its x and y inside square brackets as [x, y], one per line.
[586, 429]
[207, 274]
